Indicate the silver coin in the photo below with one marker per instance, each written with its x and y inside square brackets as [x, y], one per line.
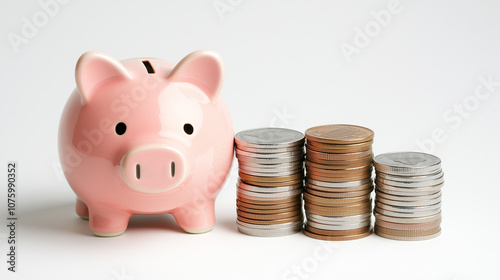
[408, 203]
[269, 137]
[429, 183]
[338, 219]
[273, 174]
[293, 224]
[408, 209]
[273, 155]
[269, 160]
[406, 214]
[411, 163]
[283, 165]
[266, 198]
[271, 150]
[269, 232]
[419, 220]
[379, 193]
[259, 195]
[397, 178]
[339, 226]
[431, 189]
[243, 186]
[416, 194]
[251, 169]
[339, 184]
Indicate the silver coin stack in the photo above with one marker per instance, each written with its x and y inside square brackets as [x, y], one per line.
[271, 181]
[408, 195]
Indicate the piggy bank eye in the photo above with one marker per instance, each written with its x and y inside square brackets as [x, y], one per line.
[188, 128]
[120, 128]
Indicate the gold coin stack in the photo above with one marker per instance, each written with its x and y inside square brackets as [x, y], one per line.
[269, 190]
[408, 196]
[338, 189]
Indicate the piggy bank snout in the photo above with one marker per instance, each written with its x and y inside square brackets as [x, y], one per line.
[153, 169]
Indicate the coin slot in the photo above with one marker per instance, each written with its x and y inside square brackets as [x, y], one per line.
[148, 66]
[138, 171]
[172, 169]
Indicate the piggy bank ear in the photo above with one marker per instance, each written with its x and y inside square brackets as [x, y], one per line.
[95, 67]
[203, 69]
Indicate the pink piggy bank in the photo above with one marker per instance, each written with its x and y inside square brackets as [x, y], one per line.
[146, 136]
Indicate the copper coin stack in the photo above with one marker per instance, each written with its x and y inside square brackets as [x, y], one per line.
[271, 181]
[338, 185]
[408, 196]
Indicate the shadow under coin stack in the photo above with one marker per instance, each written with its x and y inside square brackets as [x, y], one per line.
[338, 185]
[408, 196]
[269, 190]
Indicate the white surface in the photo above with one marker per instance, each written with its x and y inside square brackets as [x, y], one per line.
[284, 67]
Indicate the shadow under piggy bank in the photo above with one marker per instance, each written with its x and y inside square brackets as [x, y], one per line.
[57, 219]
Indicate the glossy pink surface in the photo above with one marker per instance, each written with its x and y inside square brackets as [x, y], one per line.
[133, 142]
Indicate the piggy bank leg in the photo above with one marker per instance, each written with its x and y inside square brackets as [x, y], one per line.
[196, 217]
[81, 209]
[107, 222]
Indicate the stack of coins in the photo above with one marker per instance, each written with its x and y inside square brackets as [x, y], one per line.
[269, 190]
[338, 185]
[408, 196]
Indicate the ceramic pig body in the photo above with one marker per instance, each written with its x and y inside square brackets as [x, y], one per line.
[145, 136]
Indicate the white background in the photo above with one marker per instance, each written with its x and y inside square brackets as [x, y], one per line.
[284, 67]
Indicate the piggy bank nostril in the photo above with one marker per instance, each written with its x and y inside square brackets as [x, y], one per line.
[138, 171]
[172, 169]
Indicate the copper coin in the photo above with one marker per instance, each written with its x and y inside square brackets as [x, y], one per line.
[271, 222]
[367, 170]
[358, 162]
[346, 148]
[337, 210]
[260, 200]
[267, 217]
[337, 238]
[347, 189]
[425, 219]
[269, 211]
[344, 165]
[339, 134]
[296, 176]
[333, 149]
[337, 232]
[416, 226]
[273, 184]
[409, 238]
[338, 179]
[366, 192]
[265, 189]
[407, 233]
[338, 156]
[339, 184]
[276, 206]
